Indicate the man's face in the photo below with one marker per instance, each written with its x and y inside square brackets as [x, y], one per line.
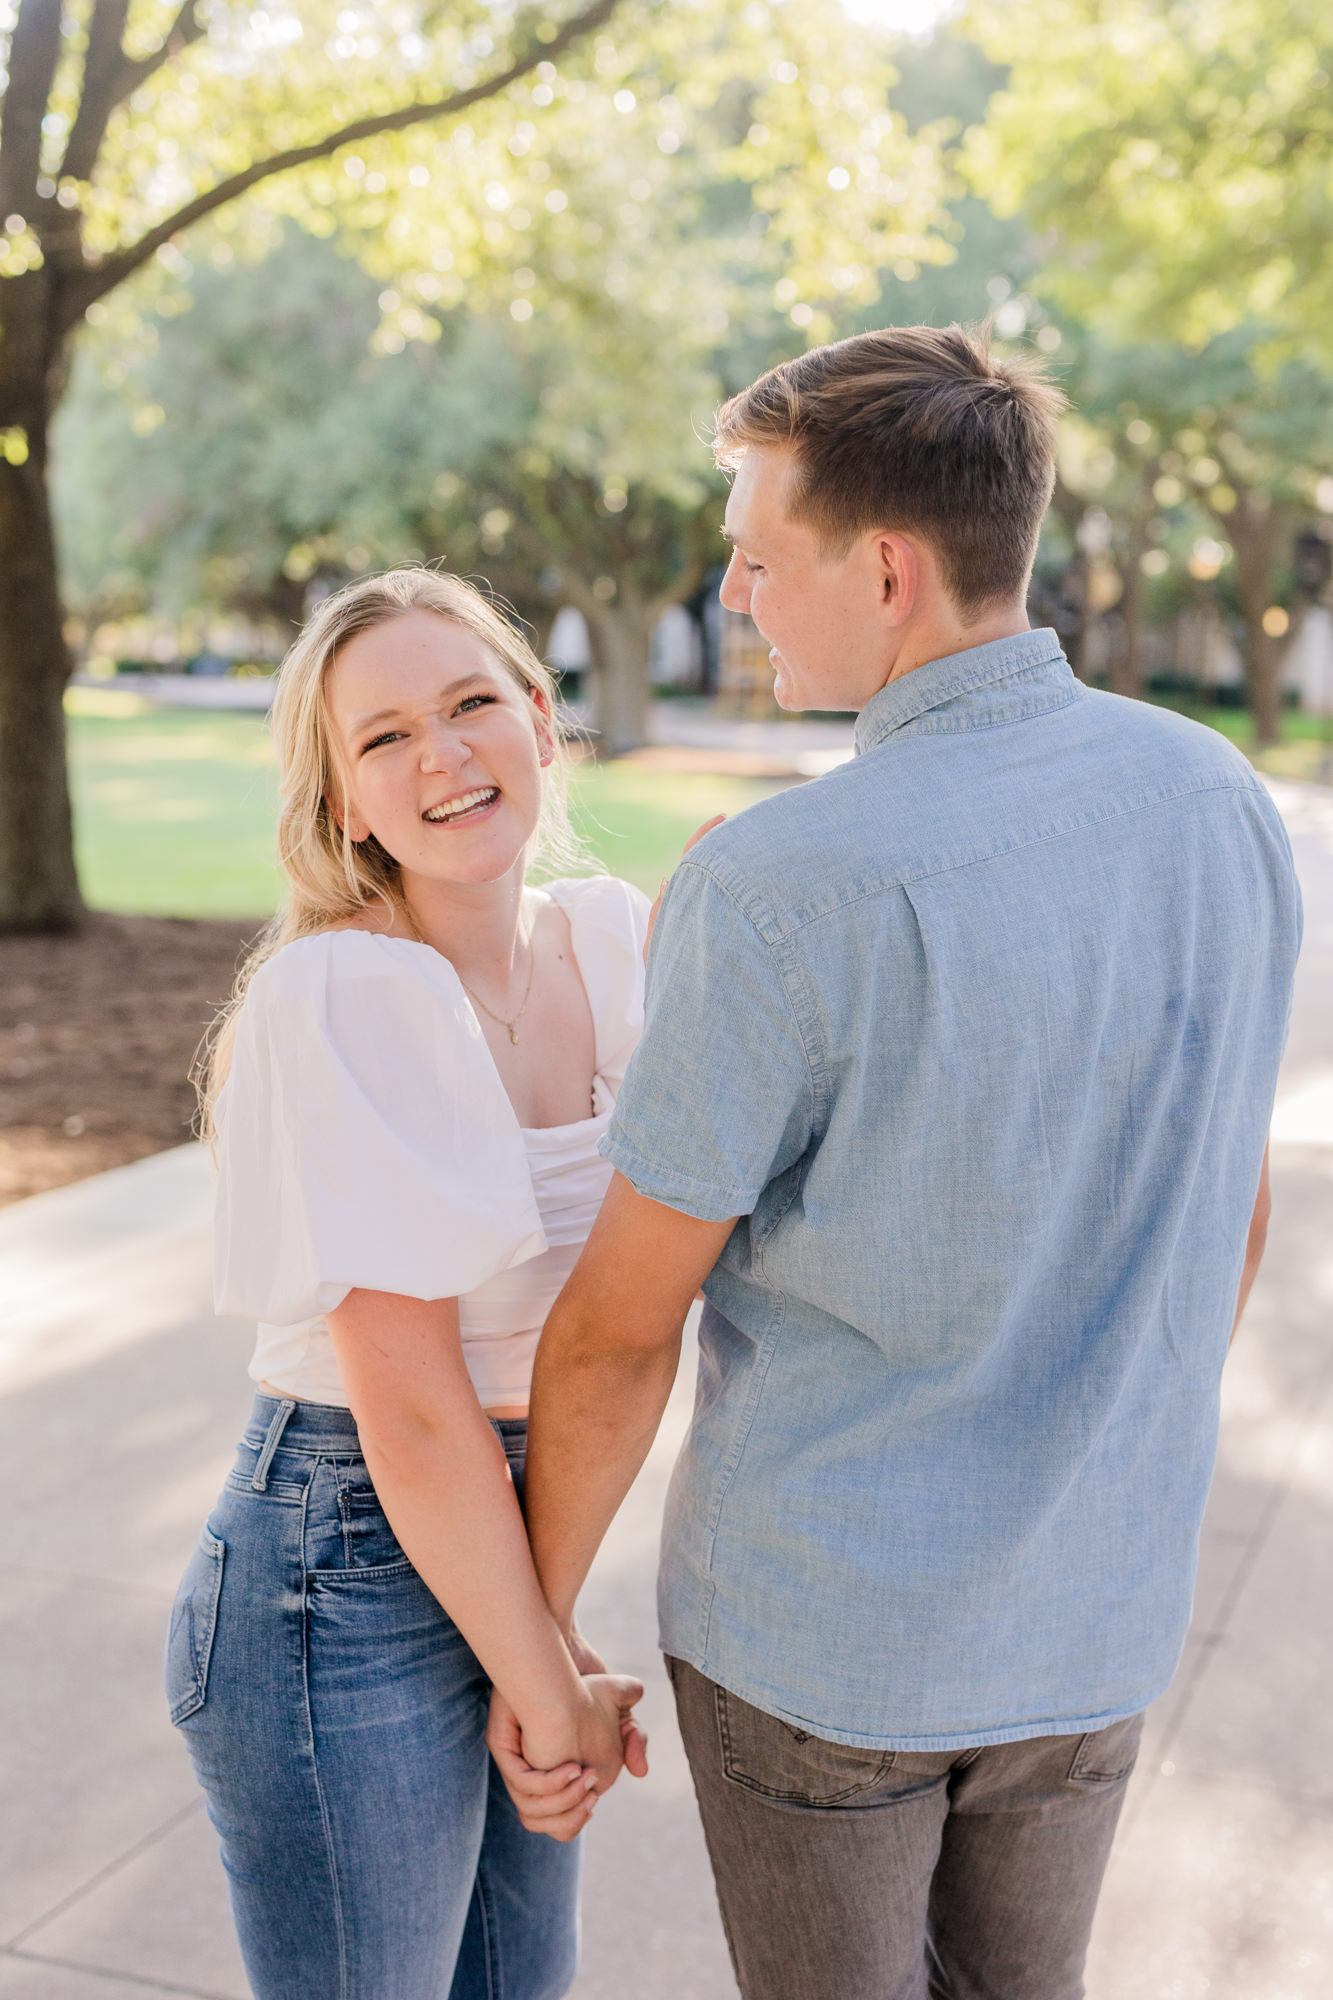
[822, 614]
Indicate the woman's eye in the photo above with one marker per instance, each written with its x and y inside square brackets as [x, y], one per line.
[475, 701]
[375, 741]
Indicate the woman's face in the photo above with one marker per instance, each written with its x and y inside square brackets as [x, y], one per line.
[441, 749]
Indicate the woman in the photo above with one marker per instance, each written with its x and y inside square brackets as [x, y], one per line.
[406, 1097]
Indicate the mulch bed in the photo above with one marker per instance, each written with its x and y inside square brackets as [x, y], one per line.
[97, 1034]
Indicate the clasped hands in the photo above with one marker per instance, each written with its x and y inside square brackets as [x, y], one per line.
[555, 1773]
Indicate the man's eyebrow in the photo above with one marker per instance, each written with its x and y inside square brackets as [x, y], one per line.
[727, 535]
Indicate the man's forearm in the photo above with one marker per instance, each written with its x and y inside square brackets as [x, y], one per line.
[605, 1365]
[595, 1412]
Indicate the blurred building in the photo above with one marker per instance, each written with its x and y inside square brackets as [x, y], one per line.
[1307, 670]
[745, 674]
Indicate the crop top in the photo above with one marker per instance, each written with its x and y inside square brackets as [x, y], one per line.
[365, 1140]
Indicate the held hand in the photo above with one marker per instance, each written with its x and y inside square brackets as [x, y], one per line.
[593, 1733]
[693, 841]
[585, 1655]
[558, 1802]
[633, 1736]
[558, 1798]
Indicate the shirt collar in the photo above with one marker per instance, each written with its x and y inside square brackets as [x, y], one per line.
[915, 694]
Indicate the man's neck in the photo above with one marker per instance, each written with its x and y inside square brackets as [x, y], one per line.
[940, 636]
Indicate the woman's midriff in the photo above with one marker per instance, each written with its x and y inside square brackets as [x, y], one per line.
[507, 1410]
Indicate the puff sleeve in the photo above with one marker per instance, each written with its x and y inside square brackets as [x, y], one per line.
[365, 1138]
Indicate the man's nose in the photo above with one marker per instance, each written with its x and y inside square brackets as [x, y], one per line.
[735, 591]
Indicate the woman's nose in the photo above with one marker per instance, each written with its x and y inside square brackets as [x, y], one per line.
[443, 748]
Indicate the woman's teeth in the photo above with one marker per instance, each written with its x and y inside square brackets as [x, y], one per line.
[469, 802]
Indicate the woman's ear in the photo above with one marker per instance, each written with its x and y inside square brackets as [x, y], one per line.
[355, 829]
[545, 728]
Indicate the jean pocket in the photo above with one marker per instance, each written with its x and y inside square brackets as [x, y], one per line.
[1105, 1756]
[364, 1541]
[194, 1618]
[780, 1761]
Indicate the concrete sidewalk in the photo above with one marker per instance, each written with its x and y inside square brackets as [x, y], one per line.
[121, 1397]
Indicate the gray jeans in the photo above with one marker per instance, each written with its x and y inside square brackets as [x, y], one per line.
[849, 1874]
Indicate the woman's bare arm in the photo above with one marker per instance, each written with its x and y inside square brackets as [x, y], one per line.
[1256, 1242]
[440, 1474]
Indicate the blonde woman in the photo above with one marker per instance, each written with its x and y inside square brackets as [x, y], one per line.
[406, 1098]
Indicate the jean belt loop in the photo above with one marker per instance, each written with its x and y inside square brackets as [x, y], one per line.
[282, 1416]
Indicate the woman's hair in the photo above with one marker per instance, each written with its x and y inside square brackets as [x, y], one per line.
[331, 878]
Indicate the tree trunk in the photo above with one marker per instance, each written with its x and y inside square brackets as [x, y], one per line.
[1127, 666]
[39, 888]
[619, 639]
[1126, 674]
[1252, 529]
[543, 624]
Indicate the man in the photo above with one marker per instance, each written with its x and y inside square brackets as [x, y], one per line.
[953, 1092]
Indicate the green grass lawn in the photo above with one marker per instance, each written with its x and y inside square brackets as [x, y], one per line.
[174, 810]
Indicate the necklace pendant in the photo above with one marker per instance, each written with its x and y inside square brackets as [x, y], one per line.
[513, 1036]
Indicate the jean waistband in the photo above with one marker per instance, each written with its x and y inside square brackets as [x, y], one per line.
[324, 1428]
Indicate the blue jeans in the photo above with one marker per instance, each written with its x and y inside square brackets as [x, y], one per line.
[336, 1718]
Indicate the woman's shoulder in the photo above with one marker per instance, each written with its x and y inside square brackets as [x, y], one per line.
[605, 902]
[608, 921]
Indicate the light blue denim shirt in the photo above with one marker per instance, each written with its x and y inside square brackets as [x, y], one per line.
[978, 1035]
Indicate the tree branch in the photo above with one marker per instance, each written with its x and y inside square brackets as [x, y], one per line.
[34, 50]
[109, 76]
[95, 281]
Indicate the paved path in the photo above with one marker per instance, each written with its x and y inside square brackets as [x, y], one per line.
[120, 1397]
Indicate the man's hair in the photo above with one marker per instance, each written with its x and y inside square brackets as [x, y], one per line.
[917, 429]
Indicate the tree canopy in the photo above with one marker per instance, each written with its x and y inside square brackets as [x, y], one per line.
[472, 153]
[1178, 152]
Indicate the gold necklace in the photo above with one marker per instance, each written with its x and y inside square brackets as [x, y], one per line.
[475, 998]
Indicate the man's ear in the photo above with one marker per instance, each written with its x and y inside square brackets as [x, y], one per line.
[900, 576]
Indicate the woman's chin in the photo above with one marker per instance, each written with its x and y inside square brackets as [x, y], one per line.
[468, 858]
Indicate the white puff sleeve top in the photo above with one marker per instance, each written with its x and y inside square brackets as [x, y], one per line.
[365, 1140]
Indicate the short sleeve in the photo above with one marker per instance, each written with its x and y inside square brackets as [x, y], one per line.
[718, 1098]
[365, 1138]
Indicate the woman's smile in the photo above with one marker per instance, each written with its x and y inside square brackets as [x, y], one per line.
[476, 804]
